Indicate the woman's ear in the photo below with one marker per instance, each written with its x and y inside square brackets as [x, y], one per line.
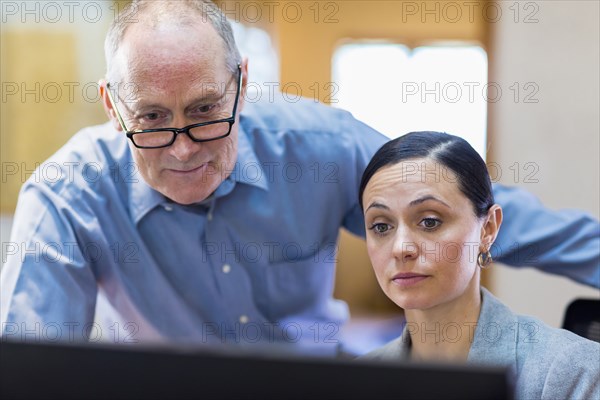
[108, 107]
[490, 227]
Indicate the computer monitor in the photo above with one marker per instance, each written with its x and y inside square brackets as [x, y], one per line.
[30, 370]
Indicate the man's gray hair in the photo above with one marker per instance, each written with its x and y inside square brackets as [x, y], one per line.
[178, 11]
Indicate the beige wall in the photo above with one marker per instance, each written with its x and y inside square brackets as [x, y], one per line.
[52, 58]
[560, 133]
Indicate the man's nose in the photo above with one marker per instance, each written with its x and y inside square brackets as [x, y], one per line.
[405, 246]
[184, 147]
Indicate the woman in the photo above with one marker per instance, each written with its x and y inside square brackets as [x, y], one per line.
[431, 222]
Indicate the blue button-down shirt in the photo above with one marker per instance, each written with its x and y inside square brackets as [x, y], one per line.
[96, 254]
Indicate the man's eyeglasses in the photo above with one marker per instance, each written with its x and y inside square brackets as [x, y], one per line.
[164, 137]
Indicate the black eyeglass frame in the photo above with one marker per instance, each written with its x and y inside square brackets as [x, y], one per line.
[176, 131]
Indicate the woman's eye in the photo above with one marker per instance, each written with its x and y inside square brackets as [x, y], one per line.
[380, 228]
[430, 223]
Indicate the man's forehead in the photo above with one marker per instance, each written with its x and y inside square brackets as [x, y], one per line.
[170, 58]
[157, 14]
[144, 92]
[173, 73]
[176, 41]
[169, 41]
[165, 62]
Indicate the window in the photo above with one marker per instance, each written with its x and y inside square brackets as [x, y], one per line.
[397, 90]
[256, 44]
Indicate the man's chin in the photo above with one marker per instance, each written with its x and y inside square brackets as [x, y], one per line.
[189, 190]
[187, 197]
[187, 200]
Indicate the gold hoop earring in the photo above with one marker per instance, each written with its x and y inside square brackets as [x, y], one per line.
[484, 259]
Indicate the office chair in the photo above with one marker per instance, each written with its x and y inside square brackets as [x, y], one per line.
[583, 318]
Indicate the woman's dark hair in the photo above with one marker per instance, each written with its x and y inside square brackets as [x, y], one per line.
[450, 151]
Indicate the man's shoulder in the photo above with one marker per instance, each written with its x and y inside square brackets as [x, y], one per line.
[308, 127]
[100, 142]
[89, 157]
[301, 114]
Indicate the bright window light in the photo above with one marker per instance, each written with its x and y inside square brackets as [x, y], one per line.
[431, 88]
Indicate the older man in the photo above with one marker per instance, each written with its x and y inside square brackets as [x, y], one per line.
[212, 220]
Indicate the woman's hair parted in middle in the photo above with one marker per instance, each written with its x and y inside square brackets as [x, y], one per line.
[450, 151]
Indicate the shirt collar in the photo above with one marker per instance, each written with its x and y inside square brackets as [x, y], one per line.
[143, 199]
[247, 170]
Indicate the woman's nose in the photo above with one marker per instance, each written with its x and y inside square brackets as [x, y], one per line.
[405, 247]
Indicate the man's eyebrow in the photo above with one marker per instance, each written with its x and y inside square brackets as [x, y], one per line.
[140, 105]
[216, 89]
[208, 96]
[209, 92]
[426, 198]
[377, 205]
[205, 99]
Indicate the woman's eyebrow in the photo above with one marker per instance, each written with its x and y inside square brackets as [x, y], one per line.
[426, 198]
[377, 205]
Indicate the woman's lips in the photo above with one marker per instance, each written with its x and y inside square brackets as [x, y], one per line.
[407, 279]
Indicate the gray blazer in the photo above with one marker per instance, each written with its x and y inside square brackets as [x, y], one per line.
[547, 363]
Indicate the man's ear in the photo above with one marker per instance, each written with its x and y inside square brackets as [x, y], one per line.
[490, 227]
[108, 107]
[244, 84]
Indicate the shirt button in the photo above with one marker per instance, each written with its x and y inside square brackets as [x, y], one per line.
[209, 216]
[168, 208]
[243, 319]
[226, 268]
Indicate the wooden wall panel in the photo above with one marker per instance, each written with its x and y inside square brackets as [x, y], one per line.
[36, 107]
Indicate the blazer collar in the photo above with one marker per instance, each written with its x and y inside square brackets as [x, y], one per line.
[495, 338]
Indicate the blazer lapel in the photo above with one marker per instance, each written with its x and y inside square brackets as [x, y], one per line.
[495, 337]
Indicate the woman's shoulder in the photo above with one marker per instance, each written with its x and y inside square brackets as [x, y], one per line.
[395, 350]
[549, 363]
[554, 363]
[533, 331]
[534, 339]
[557, 363]
[537, 339]
[551, 346]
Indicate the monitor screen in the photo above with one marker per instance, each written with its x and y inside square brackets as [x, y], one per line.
[29, 370]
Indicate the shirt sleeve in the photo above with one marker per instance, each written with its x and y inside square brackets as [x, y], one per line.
[564, 242]
[47, 287]
[366, 143]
